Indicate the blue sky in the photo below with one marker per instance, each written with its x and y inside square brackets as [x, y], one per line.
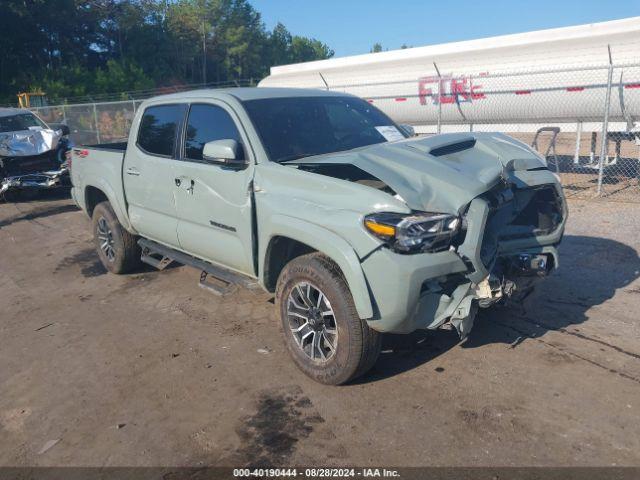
[352, 26]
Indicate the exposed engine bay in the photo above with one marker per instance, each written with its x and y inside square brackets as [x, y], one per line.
[346, 171]
[514, 214]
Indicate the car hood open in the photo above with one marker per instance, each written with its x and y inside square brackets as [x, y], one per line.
[442, 173]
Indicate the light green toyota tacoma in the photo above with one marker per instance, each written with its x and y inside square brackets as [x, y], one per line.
[322, 199]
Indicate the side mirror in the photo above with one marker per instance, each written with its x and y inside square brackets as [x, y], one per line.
[226, 152]
[408, 129]
[62, 127]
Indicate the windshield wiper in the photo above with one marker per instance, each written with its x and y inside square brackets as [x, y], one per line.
[297, 156]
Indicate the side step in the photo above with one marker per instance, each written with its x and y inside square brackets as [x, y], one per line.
[150, 258]
[216, 286]
[222, 281]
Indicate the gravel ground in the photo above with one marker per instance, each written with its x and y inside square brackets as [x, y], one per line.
[148, 369]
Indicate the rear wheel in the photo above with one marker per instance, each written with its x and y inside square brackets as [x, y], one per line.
[322, 330]
[118, 249]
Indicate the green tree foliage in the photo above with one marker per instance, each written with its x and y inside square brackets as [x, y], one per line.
[376, 48]
[286, 48]
[71, 48]
[121, 76]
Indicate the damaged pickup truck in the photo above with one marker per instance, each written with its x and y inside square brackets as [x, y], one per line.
[322, 199]
[32, 153]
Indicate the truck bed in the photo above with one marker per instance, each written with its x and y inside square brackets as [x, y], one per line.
[99, 166]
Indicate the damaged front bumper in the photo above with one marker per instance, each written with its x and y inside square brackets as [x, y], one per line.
[412, 294]
[513, 278]
[42, 180]
[425, 291]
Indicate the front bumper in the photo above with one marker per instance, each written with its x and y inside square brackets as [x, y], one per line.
[428, 292]
[43, 180]
[423, 291]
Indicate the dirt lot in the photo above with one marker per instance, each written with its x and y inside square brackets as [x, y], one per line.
[149, 369]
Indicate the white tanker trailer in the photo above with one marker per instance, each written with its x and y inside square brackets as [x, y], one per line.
[543, 77]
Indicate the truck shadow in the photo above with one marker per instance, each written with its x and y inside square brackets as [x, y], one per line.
[401, 353]
[591, 271]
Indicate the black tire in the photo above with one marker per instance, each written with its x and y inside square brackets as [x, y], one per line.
[126, 252]
[357, 346]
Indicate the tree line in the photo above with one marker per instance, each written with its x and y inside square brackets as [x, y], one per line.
[75, 48]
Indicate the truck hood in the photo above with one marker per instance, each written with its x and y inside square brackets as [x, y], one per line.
[442, 173]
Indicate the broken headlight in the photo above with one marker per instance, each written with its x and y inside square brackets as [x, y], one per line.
[415, 232]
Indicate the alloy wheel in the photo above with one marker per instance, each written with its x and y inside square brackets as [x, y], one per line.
[312, 321]
[106, 239]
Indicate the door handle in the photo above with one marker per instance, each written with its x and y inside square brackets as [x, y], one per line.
[189, 189]
[133, 171]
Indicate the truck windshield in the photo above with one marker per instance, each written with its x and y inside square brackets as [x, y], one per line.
[21, 121]
[297, 127]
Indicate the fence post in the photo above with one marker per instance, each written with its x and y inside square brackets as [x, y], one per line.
[64, 116]
[439, 93]
[95, 120]
[592, 149]
[576, 156]
[605, 126]
[324, 80]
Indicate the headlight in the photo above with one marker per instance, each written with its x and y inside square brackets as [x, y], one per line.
[414, 233]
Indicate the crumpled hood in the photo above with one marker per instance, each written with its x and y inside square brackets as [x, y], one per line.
[28, 142]
[442, 173]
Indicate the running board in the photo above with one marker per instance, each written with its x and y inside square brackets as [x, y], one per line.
[224, 280]
[216, 286]
[149, 258]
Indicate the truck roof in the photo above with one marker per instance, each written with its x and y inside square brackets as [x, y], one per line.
[249, 93]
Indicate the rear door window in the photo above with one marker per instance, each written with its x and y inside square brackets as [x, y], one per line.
[158, 129]
[207, 123]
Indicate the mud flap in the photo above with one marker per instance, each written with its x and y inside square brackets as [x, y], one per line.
[464, 315]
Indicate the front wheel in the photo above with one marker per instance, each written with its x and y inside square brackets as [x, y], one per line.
[322, 330]
[118, 249]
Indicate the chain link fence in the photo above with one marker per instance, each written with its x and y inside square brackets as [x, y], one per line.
[582, 120]
[109, 121]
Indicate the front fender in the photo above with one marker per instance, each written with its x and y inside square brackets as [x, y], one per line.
[328, 243]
